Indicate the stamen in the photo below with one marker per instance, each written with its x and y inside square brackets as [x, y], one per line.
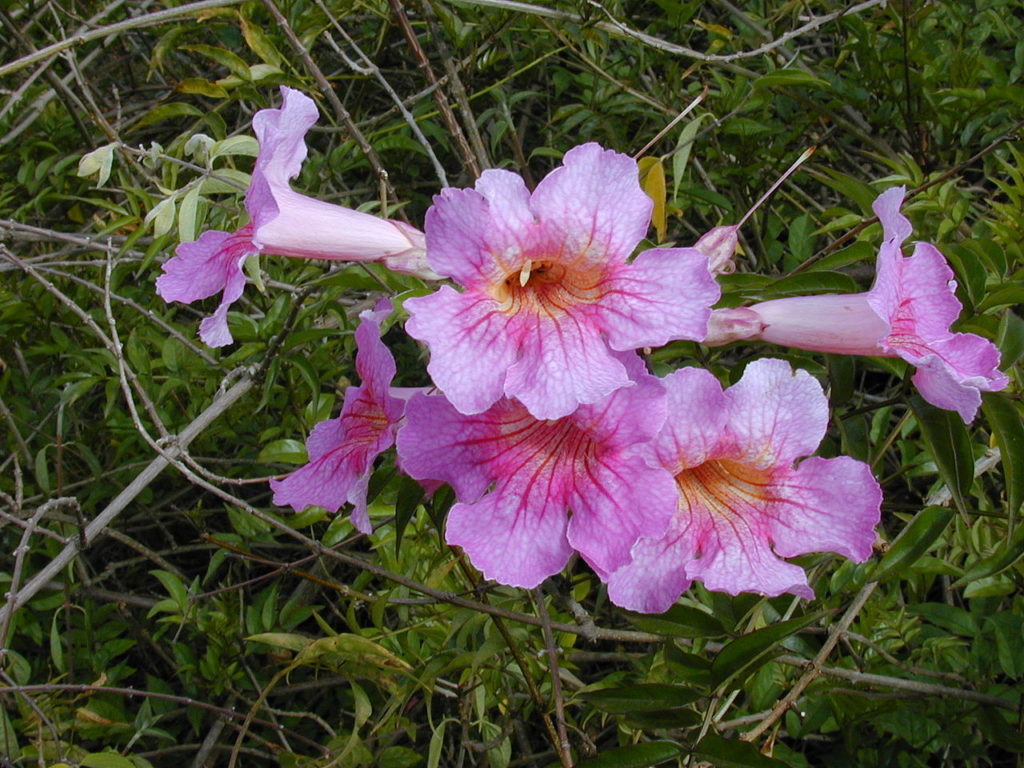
[524, 273]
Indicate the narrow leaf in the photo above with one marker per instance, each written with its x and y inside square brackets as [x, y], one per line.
[748, 649]
[634, 756]
[914, 540]
[950, 445]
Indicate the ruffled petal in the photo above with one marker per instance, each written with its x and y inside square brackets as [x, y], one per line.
[686, 441]
[617, 500]
[655, 576]
[663, 295]
[479, 236]
[342, 450]
[202, 268]
[734, 556]
[825, 505]
[470, 345]
[563, 363]
[954, 372]
[592, 206]
[776, 414]
[438, 443]
[514, 535]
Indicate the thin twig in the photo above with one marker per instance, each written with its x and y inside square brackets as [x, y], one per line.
[98, 33]
[814, 669]
[564, 751]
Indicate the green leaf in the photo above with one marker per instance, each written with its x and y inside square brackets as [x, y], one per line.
[644, 697]
[747, 650]
[811, 283]
[286, 450]
[791, 78]
[222, 56]
[950, 445]
[202, 87]
[726, 753]
[681, 155]
[1008, 426]
[679, 621]
[1010, 551]
[634, 756]
[106, 760]
[410, 494]
[188, 215]
[99, 161]
[949, 617]
[286, 640]
[913, 541]
[168, 112]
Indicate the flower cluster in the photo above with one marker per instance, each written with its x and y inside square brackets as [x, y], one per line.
[543, 417]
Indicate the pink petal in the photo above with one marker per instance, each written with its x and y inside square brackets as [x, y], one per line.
[826, 505]
[438, 443]
[733, 324]
[686, 441]
[514, 535]
[470, 345]
[479, 236]
[956, 371]
[776, 414]
[563, 363]
[342, 450]
[593, 205]
[282, 136]
[656, 576]
[734, 555]
[921, 305]
[615, 502]
[663, 295]
[202, 268]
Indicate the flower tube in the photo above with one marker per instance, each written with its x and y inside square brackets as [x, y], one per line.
[744, 497]
[548, 298]
[907, 313]
[285, 223]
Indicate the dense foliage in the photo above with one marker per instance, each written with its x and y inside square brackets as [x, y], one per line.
[157, 608]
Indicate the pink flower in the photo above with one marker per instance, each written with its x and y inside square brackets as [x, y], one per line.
[285, 223]
[906, 314]
[517, 478]
[742, 501]
[548, 295]
[342, 450]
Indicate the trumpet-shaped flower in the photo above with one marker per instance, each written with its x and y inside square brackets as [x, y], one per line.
[285, 223]
[906, 314]
[342, 450]
[517, 478]
[548, 295]
[742, 500]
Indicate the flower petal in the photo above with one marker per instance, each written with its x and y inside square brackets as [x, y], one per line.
[470, 345]
[514, 535]
[479, 236]
[593, 206]
[687, 441]
[439, 443]
[776, 414]
[655, 576]
[826, 505]
[616, 500]
[956, 371]
[663, 295]
[563, 363]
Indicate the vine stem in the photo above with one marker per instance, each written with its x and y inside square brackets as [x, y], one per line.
[147, 20]
[814, 669]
